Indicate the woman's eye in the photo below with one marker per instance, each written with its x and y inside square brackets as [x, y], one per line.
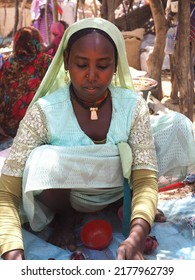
[103, 67]
[82, 65]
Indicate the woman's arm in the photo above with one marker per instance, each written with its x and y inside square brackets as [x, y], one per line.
[144, 204]
[32, 132]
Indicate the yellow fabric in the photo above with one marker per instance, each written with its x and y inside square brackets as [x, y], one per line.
[145, 195]
[145, 187]
[10, 226]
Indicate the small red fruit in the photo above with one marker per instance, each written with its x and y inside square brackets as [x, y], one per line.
[77, 256]
[150, 245]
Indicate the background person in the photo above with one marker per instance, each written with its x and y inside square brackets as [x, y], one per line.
[20, 77]
[56, 33]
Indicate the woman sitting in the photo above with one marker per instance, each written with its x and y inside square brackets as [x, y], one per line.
[20, 77]
[75, 146]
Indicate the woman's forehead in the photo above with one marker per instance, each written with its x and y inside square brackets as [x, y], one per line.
[92, 40]
[85, 31]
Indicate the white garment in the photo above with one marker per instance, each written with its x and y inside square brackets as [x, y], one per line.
[85, 170]
[68, 12]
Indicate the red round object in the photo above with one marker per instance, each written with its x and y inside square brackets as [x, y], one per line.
[96, 234]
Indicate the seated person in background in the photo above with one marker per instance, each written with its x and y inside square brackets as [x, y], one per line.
[76, 144]
[56, 31]
[20, 76]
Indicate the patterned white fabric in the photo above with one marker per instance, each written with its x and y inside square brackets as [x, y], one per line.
[93, 173]
[175, 145]
[88, 167]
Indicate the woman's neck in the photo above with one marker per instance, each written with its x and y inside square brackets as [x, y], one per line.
[92, 106]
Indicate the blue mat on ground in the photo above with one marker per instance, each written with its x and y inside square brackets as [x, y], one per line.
[176, 237]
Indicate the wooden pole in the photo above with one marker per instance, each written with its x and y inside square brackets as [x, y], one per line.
[21, 14]
[16, 16]
[183, 67]
[47, 21]
[55, 10]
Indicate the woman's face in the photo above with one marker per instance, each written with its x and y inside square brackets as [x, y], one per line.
[91, 64]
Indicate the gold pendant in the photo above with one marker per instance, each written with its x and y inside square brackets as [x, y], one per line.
[94, 115]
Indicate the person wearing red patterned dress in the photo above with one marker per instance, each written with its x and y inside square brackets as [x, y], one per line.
[20, 76]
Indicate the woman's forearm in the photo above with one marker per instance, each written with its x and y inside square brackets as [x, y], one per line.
[145, 195]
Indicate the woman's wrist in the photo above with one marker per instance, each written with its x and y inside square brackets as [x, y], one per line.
[138, 233]
[14, 255]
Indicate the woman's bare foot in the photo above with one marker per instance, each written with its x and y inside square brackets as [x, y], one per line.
[58, 200]
[159, 217]
[63, 234]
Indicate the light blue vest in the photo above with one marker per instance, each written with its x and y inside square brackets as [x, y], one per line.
[64, 129]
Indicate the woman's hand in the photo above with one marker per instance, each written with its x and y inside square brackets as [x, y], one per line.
[14, 255]
[132, 248]
[127, 251]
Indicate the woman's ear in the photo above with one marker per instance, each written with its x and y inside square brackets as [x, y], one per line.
[65, 60]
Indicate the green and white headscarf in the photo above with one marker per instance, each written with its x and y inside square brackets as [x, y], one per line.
[54, 77]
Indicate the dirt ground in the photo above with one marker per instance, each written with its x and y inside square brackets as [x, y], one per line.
[178, 193]
[166, 86]
[166, 83]
[166, 101]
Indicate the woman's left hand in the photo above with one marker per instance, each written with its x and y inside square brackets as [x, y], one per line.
[127, 251]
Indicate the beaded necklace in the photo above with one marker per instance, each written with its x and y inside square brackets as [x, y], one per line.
[92, 107]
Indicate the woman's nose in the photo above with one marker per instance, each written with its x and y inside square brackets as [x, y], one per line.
[91, 75]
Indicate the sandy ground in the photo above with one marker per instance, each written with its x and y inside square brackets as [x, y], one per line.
[166, 101]
[166, 85]
[179, 193]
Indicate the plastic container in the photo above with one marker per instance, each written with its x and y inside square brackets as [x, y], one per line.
[170, 40]
[96, 234]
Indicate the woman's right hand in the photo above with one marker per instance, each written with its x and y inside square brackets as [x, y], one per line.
[14, 255]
